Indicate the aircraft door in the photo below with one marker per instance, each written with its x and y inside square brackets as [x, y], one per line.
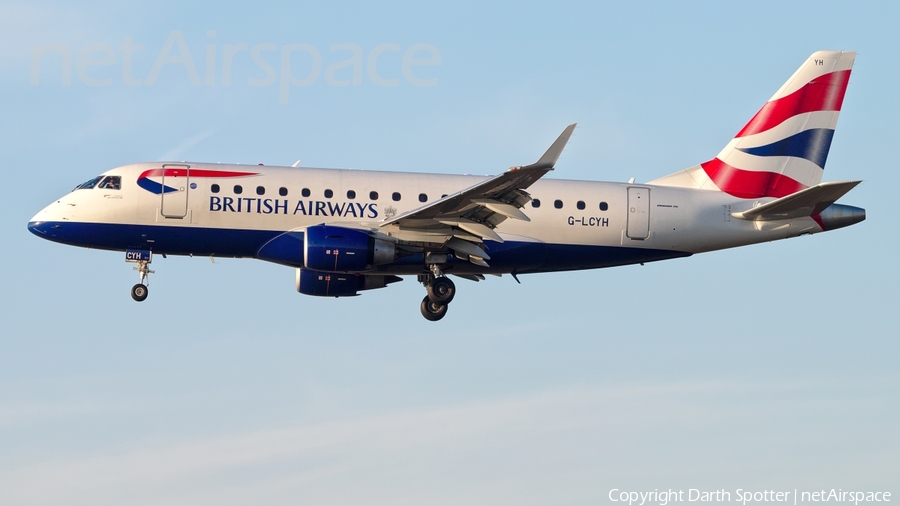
[176, 183]
[638, 213]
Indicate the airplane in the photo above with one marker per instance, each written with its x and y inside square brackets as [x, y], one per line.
[347, 231]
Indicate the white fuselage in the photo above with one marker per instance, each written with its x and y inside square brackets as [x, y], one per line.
[205, 215]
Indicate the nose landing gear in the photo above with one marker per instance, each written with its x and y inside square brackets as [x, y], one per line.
[441, 291]
[142, 258]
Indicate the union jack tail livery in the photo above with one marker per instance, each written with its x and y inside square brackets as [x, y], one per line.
[783, 148]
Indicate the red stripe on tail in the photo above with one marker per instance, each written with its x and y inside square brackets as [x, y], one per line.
[824, 93]
[748, 184]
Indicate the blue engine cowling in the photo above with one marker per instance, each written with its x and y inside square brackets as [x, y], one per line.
[329, 248]
[332, 284]
[336, 249]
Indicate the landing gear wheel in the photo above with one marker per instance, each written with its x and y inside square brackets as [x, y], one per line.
[441, 290]
[432, 311]
[139, 292]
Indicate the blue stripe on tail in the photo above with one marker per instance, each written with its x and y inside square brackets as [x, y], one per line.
[812, 145]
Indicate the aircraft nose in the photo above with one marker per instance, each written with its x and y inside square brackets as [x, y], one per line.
[42, 229]
[36, 224]
[47, 222]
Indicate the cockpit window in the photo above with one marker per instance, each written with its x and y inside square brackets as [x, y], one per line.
[111, 183]
[87, 185]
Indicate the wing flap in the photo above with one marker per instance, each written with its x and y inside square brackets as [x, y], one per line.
[473, 227]
[508, 210]
[467, 248]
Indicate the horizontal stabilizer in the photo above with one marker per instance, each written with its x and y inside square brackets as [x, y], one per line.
[808, 202]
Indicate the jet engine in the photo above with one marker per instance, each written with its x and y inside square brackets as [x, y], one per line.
[330, 248]
[339, 249]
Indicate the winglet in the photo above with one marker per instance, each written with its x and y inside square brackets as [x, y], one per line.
[552, 155]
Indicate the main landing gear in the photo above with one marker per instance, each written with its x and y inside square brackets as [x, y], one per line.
[441, 291]
[142, 258]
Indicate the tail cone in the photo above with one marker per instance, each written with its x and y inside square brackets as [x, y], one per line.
[840, 216]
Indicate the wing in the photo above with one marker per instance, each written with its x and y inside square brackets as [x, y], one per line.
[462, 221]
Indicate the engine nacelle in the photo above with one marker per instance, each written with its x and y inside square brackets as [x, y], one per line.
[339, 249]
[332, 284]
[329, 248]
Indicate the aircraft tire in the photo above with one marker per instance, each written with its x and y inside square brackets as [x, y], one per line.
[441, 290]
[432, 311]
[139, 292]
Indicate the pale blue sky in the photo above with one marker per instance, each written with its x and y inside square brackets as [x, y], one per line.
[767, 367]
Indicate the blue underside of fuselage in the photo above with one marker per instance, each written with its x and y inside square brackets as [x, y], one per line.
[510, 256]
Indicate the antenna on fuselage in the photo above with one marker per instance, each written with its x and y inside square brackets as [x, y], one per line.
[297, 163]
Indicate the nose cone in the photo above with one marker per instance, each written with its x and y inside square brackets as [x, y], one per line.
[49, 222]
[34, 227]
[49, 230]
[840, 216]
[37, 225]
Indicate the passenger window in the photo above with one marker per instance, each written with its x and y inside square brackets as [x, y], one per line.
[604, 206]
[395, 196]
[444, 196]
[580, 205]
[214, 188]
[238, 189]
[305, 192]
[351, 194]
[260, 190]
[423, 197]
[373, 195]
[557, 204]
[535, 202]
[282, 191]
[329, 194]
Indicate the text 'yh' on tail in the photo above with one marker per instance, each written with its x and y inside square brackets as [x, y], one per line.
[783, 148]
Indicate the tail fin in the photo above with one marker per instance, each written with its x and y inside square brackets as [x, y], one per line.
[783, 148]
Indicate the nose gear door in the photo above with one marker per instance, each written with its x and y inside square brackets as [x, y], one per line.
[176, 185]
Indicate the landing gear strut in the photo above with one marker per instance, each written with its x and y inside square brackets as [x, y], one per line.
[441, 291]
[139, 291]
